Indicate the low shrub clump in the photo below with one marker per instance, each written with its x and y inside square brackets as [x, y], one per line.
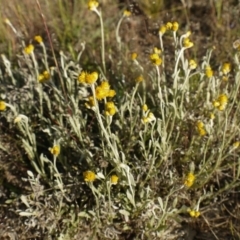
[114, 158]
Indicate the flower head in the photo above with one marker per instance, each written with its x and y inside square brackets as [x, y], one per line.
[139, 79]
[208, 71]
[3, 106]
[226, 68]
[221, 102]
[156, 60]
[103, 90]
[55, 150]
[88, 78]
[114, 179]
[44, 77]
[194, 213]
[89, 176]
[110, 108]
[126, 13]
[145, 107]
[162, 29]
[189, 180]
[236, 144]
[92, 5]
[29, 49]
[149, 118]
[201, 128]
[192, 64]
[38, 39]
[175, 26]
[134, 56]
[169, 25]
[187, 43]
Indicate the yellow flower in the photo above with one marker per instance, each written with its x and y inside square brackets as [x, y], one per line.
[100, 93]
[200, 124]
[187, 43]
[92, 5]
[126, 13]
[111, 93]
[134, 56]
[192, 64]
[44, 76]
[189, 180]
[221, 102]
[105, 85]
[175, 26]
[157, 50]
[162, 29]
[208, 71]
[194, 213]
[38, 39]
[236, 144]
[3, 106]
[29, 49]
[114, 179]
[89, 176]
[200, 128]
[145, 107]
[150, 118]
[91, 77]
[169, 26]
[139, 79]
[110, 108]
[226, 68]
[88, 78]
[212, 116]
[223, 99]
[156, 60]
[55, 150]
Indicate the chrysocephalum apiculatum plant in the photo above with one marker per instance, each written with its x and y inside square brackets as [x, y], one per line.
[144, 157]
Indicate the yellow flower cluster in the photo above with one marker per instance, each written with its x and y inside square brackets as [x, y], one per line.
[103, 90]
[44, 77]
[92, 5]
[173, 26]
[208, 72]
[29, 49]
[226, 68]
[221, 102]
[110, 109]
[55, 150]
[189, 180]
[200, 128]
[194, 213]
[114, 179]
[89, 176]
[2, 106]
[187, 43]
[155, 58]
[88, 78]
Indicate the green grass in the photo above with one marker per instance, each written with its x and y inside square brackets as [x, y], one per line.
[89, 152]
